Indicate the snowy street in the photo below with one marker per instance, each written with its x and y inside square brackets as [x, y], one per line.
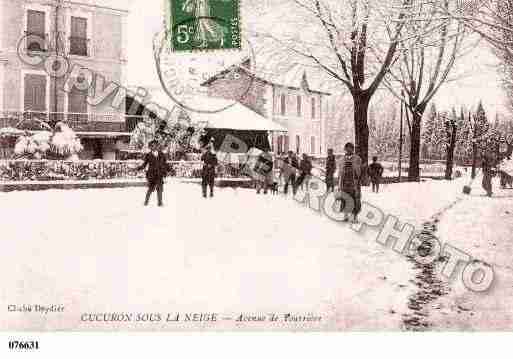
[102, 251]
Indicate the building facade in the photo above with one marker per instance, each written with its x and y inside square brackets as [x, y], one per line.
[88, 34]
[293, 104]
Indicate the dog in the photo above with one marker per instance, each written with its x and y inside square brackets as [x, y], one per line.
[506, 179]
[274, 188]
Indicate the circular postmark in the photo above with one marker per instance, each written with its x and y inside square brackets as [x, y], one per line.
[205, 81]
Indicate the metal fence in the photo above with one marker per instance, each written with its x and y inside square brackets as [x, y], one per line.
[80, 122]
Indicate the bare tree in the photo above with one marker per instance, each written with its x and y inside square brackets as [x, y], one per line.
[352, 42]
[423, 65]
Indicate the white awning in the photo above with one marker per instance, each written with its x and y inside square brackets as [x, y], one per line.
[219, 113]
[230, 114]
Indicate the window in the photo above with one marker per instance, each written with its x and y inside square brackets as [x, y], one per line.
[313, 108]
[78, 41]
[36, 25]
[77, 105]
[286, 144]
[298, 144]
[280, 145]
[299, 105]
[312, 145]
[283, 105]
[35, 93]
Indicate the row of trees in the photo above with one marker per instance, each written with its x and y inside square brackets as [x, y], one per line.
[408, 46]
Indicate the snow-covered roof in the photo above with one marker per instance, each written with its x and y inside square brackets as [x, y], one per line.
[234, 116]
[217, 113]
[297, 76]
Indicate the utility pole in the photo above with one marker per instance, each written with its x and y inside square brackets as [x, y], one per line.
[58, 5]
[401, 137]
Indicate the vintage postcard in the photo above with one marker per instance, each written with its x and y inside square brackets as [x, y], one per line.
[256, 165]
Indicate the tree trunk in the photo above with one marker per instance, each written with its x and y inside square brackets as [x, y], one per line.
[474, 160]
[450, 152]
[361, 131]
[414, 168]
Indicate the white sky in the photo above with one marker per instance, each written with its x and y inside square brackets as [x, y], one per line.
[146, 18]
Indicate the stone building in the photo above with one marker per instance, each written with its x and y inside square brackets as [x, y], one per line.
[290, 100]
[88, 33]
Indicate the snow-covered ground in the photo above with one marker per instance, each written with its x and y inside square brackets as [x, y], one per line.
[101, 251]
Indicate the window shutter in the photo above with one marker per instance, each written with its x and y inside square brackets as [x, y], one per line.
[35, 92]
[78, 36]
[35, 22]
[77, 101]
[79, 27]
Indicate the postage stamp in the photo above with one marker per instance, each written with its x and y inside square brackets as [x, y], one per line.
[203, 24]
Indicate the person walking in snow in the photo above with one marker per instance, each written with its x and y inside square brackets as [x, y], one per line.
[331, 166]
[487, 167]
[375, 174]
[305, 172]
[208, 173]
[264, 172]
[349, 174]
[157, 170]
[288, 172]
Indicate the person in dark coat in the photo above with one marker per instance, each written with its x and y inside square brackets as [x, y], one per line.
[157, 170]
[288, 172]
[264, 172]
[487, 166]
[331, 166]
[349, 174]
[305, 171]
[375, 174]
[208, 173]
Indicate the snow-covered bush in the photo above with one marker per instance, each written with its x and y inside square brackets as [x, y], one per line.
[173, 136]
[63, 143]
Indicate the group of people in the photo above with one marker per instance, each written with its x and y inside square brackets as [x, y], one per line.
[293, 172]
[157, 168]
[297, 173]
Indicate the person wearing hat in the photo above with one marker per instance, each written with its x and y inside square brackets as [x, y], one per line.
[208, 173]
[331, 167]
[349, 172]
[288, 171]
[157, 170]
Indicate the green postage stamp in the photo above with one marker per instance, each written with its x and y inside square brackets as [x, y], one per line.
[203, 24]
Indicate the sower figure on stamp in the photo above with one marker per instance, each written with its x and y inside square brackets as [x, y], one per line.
[157, 170]
[331, 166]
[208, 173]
[207, 28]
[349, 182]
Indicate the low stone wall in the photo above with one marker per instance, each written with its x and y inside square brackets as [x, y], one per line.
[29, 170]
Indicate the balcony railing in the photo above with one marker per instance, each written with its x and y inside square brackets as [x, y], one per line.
[79, 46]
[79, 122]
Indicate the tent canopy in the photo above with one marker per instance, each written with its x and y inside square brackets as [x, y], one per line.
[219, 113]
[235, 116]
